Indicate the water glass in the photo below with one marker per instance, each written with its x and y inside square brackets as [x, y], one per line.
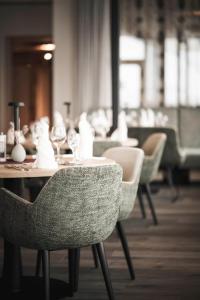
[2, 147]
[73, 140]
[58, 137]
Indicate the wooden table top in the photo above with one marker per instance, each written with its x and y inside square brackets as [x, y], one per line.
[10, 169]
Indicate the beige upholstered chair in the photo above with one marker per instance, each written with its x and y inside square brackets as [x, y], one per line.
[131, 160]
[153, 149]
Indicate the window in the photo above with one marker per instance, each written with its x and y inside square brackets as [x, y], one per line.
[132, 53]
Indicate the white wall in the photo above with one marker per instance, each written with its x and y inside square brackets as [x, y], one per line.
[64, 70]
[18, 20]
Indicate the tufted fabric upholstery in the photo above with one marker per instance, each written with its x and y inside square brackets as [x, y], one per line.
[130, 159]
[78, 206]
[99, 147]
[153, 149]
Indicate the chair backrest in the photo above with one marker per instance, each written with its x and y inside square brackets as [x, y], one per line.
[153, 149]
[131, 160]
[78, 206]
[99, 147]
[171, 155]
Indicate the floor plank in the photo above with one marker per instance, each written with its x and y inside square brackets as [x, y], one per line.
[166, 257]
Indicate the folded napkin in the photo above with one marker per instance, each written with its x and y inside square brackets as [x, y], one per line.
[86, 138]
[58, 119]
[45, 154]
[121, 133]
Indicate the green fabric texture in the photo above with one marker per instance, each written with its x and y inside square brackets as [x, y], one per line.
[77, 207]
[128, 197]
[99, 147]
[189, 127]
[155, 145]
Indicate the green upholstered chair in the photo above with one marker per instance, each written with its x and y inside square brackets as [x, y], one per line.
[131, 160]
[77, 207]
[189, 126]
[153, 149]
[172, 157]
[100, 146]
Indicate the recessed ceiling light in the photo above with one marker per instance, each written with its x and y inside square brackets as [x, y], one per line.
[47, 56]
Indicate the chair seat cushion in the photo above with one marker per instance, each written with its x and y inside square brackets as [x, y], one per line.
[192, 158]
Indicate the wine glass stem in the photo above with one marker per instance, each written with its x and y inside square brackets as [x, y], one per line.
[58, 152]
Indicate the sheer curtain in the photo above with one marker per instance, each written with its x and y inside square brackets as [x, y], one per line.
[93, 55]
[82, 67]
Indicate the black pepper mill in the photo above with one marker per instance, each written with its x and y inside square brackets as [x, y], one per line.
[16, 105]
[68, 121]
[67, 104]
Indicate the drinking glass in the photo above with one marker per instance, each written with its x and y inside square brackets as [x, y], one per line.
[58, 137]
[73, 140]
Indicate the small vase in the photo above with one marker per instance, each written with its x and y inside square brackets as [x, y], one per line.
[18, 153]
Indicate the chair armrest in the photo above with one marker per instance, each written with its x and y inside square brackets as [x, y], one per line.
[13, 214]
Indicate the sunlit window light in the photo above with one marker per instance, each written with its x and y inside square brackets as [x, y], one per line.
[132, 48]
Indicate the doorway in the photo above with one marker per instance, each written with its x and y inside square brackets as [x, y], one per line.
[31, 77]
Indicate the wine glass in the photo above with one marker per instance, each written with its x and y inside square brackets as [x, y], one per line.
[73, 140]
[58, 137]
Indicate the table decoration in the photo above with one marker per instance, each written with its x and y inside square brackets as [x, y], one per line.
[18, 153]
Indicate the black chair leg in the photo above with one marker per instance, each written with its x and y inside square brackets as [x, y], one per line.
[46, 271]
[38, 263]
[74, 261]
[171, 184]
[151, 206]
[124, 243]
[105, 271]
[140, 198]
[76, 268]
[95, 256]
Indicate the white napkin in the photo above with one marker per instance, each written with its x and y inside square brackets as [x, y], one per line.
[161, 119]
[58, 119]
[150, 117]
[121, 133]
[45, 154]
[86, 138]
[143, 118]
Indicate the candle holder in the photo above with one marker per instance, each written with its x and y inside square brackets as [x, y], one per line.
[16, 106]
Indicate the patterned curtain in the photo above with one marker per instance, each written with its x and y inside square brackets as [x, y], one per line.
[170, 31]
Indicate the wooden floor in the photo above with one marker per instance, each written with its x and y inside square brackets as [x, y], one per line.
[166, 257]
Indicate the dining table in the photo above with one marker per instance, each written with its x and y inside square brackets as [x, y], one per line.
[13, 284]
